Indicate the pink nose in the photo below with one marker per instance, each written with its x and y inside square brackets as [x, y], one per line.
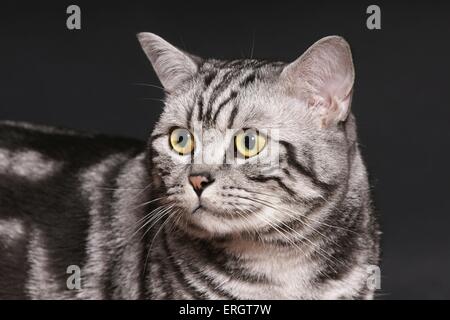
[199, 182]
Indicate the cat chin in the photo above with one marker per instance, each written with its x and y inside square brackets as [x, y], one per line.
[206, 220]
[207, 224]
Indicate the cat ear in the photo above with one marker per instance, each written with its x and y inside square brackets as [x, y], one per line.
[171, 65]
[324, 77]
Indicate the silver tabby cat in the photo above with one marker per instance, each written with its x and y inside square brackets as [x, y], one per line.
[251, 186]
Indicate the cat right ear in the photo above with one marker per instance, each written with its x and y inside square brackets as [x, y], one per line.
[172, 66]
[324, 77]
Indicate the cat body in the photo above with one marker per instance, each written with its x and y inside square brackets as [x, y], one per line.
[251, 186]
[57, 209]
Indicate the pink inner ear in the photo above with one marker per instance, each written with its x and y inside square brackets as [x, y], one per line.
[330, 108]
[333, 96]
[319, 101]
[324, 75]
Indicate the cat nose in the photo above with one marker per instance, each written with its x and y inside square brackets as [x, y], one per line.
[200, 181]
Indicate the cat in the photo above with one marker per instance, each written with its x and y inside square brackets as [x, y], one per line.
[251, 186]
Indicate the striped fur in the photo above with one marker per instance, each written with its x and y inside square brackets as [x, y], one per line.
[126, 214]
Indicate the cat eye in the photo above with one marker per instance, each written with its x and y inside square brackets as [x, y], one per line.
[249, 143]
[182, 141]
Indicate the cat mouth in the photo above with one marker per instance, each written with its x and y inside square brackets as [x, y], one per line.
[205, 209]
[199, 207]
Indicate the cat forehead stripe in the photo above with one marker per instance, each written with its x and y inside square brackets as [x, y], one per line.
[230, 77]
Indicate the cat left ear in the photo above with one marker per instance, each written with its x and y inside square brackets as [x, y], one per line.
[323, 76]
[171, 65]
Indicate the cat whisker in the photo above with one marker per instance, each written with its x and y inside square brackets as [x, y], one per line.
[176, 221]
[164, 213]
[326, 255]
[272, 226]
[287, 239]
[114, 189]
[331, 259]
[146, 203]
[242, 213]
[147, 85]
[294, 216]
[157, 213]
[143, 190]
[156, 234]
[140, 190]
[280, 232]
[154, 99]
[253, 45]
[304, 216]
[149, 215]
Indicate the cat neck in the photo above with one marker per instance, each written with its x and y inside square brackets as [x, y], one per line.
[240, 264]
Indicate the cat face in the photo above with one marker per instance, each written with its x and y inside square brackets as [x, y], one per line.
[249, 145]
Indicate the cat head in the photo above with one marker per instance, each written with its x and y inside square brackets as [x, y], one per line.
[249, 145]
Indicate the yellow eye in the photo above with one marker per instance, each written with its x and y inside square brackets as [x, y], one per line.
[182, 141]
[249, 143]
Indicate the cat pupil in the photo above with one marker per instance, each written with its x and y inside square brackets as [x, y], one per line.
[249, 142]
[181, 140]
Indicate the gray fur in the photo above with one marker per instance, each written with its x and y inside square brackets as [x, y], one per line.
[303, 229]
[315, 243]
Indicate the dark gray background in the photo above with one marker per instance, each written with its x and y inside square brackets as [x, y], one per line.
[86, 80]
